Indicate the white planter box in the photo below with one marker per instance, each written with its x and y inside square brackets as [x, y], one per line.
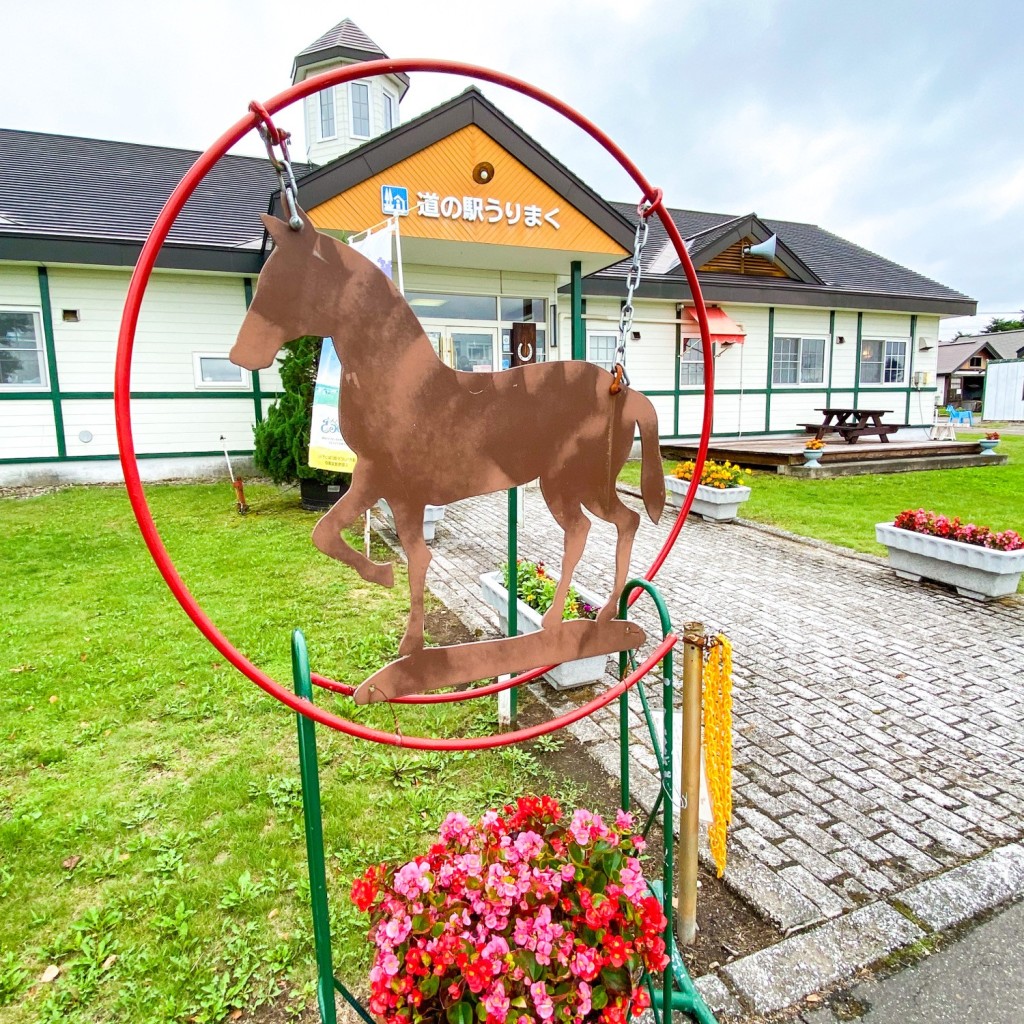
[976, 572]
[563, 677]
[715, 504]
[432, 515]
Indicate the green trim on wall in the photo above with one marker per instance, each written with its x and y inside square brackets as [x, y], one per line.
[579, 340]
[115, 457]
[51, 359]
[771, 358]
[257, 391]
[696, 392]
[831, 355]
[856, 365]
[79, 396]
[910, 361]
[679, 356]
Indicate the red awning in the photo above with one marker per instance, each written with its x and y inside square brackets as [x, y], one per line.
[723, 328]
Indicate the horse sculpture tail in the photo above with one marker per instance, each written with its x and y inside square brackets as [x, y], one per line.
[652, 475]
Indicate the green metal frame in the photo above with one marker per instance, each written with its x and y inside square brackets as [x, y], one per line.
[677, 991]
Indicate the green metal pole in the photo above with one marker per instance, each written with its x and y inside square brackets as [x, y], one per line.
[579, 341]
[623, 737]
[310, 773]
[513, 585]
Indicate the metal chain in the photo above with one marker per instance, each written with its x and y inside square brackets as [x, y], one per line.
[632, 283]
[273, 136]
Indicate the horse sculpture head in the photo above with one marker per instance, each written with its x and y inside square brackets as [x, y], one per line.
[303, 270]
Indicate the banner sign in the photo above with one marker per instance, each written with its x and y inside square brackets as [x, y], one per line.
[327, 448]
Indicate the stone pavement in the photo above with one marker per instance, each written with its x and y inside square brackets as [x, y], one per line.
[878, 734]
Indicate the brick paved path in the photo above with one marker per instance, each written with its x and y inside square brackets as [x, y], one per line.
[877, 723]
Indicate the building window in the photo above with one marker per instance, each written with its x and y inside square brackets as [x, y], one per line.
[359, 92]
[883, 362]
[215, 370]
[22, 352]
[601, 349]
[691, 363]
[328, 130]
[976, 362]
[798, 361]
[390, 110]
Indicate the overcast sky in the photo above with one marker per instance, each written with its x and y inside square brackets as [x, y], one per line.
[896, 124]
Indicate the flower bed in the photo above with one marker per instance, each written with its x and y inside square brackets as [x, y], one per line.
[980, 563]
[581, 603]
[525, 917]
[921, 521]
[719, 493]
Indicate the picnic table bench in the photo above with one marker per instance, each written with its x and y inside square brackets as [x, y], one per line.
[852, 424]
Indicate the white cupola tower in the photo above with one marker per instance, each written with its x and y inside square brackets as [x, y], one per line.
[342, 117]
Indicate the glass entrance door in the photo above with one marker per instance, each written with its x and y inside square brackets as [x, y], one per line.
[473, 349]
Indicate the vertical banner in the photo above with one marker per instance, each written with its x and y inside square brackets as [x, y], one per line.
[327, 448]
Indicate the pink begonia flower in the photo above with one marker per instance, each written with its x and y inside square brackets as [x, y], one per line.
[568, 872]
[390, 965]
[495, 949]
[623, 819]
[528, 845]
[456, 826]
[412, 879]
[397, 929]
[542, 1001]
[489, 818]
[496, 1002]
[584, 1007]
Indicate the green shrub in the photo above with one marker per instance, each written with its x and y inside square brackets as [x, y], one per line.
[281, 441]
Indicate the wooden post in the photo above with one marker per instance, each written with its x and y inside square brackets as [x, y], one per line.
[689, 786]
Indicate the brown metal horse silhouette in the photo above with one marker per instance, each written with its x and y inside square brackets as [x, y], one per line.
[425, 433]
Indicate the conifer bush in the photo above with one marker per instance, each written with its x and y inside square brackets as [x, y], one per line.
[281, 441]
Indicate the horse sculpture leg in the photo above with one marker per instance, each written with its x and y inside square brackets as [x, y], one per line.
[575, 526]
[342, 514]
[626, 522]
[409, 527]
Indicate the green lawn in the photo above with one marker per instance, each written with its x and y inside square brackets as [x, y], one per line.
[151, 842]
[844, 510]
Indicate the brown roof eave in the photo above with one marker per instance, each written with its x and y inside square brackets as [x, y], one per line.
[789, 294]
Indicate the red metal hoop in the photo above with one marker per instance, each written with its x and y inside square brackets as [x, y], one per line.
[260, 114]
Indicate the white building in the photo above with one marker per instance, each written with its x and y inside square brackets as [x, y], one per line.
[497, 231]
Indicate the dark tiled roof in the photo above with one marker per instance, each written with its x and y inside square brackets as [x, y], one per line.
[54, 186]
[840, 264]
[62, 186]
[955, 353]
[346, 34]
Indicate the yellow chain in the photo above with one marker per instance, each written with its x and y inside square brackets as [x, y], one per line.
[718, 743]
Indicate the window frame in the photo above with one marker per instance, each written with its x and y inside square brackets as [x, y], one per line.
[591, 337]
[390, 110]
[325, 99]
[691, 345]
[244, 382]
[888, 354]
[352, 109]
[43, 357]
[799, 362]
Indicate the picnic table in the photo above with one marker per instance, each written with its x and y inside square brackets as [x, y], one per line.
[852, 424]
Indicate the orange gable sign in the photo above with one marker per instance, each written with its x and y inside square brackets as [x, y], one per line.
[435, 194]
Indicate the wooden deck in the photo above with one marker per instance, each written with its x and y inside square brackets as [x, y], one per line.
[784, 452]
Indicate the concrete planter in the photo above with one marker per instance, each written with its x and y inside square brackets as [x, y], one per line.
[432, 515]
[976, 572]
[714, 504]
[563, 677]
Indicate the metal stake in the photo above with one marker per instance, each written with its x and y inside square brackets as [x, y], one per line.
[689, 821]
[314, 834]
